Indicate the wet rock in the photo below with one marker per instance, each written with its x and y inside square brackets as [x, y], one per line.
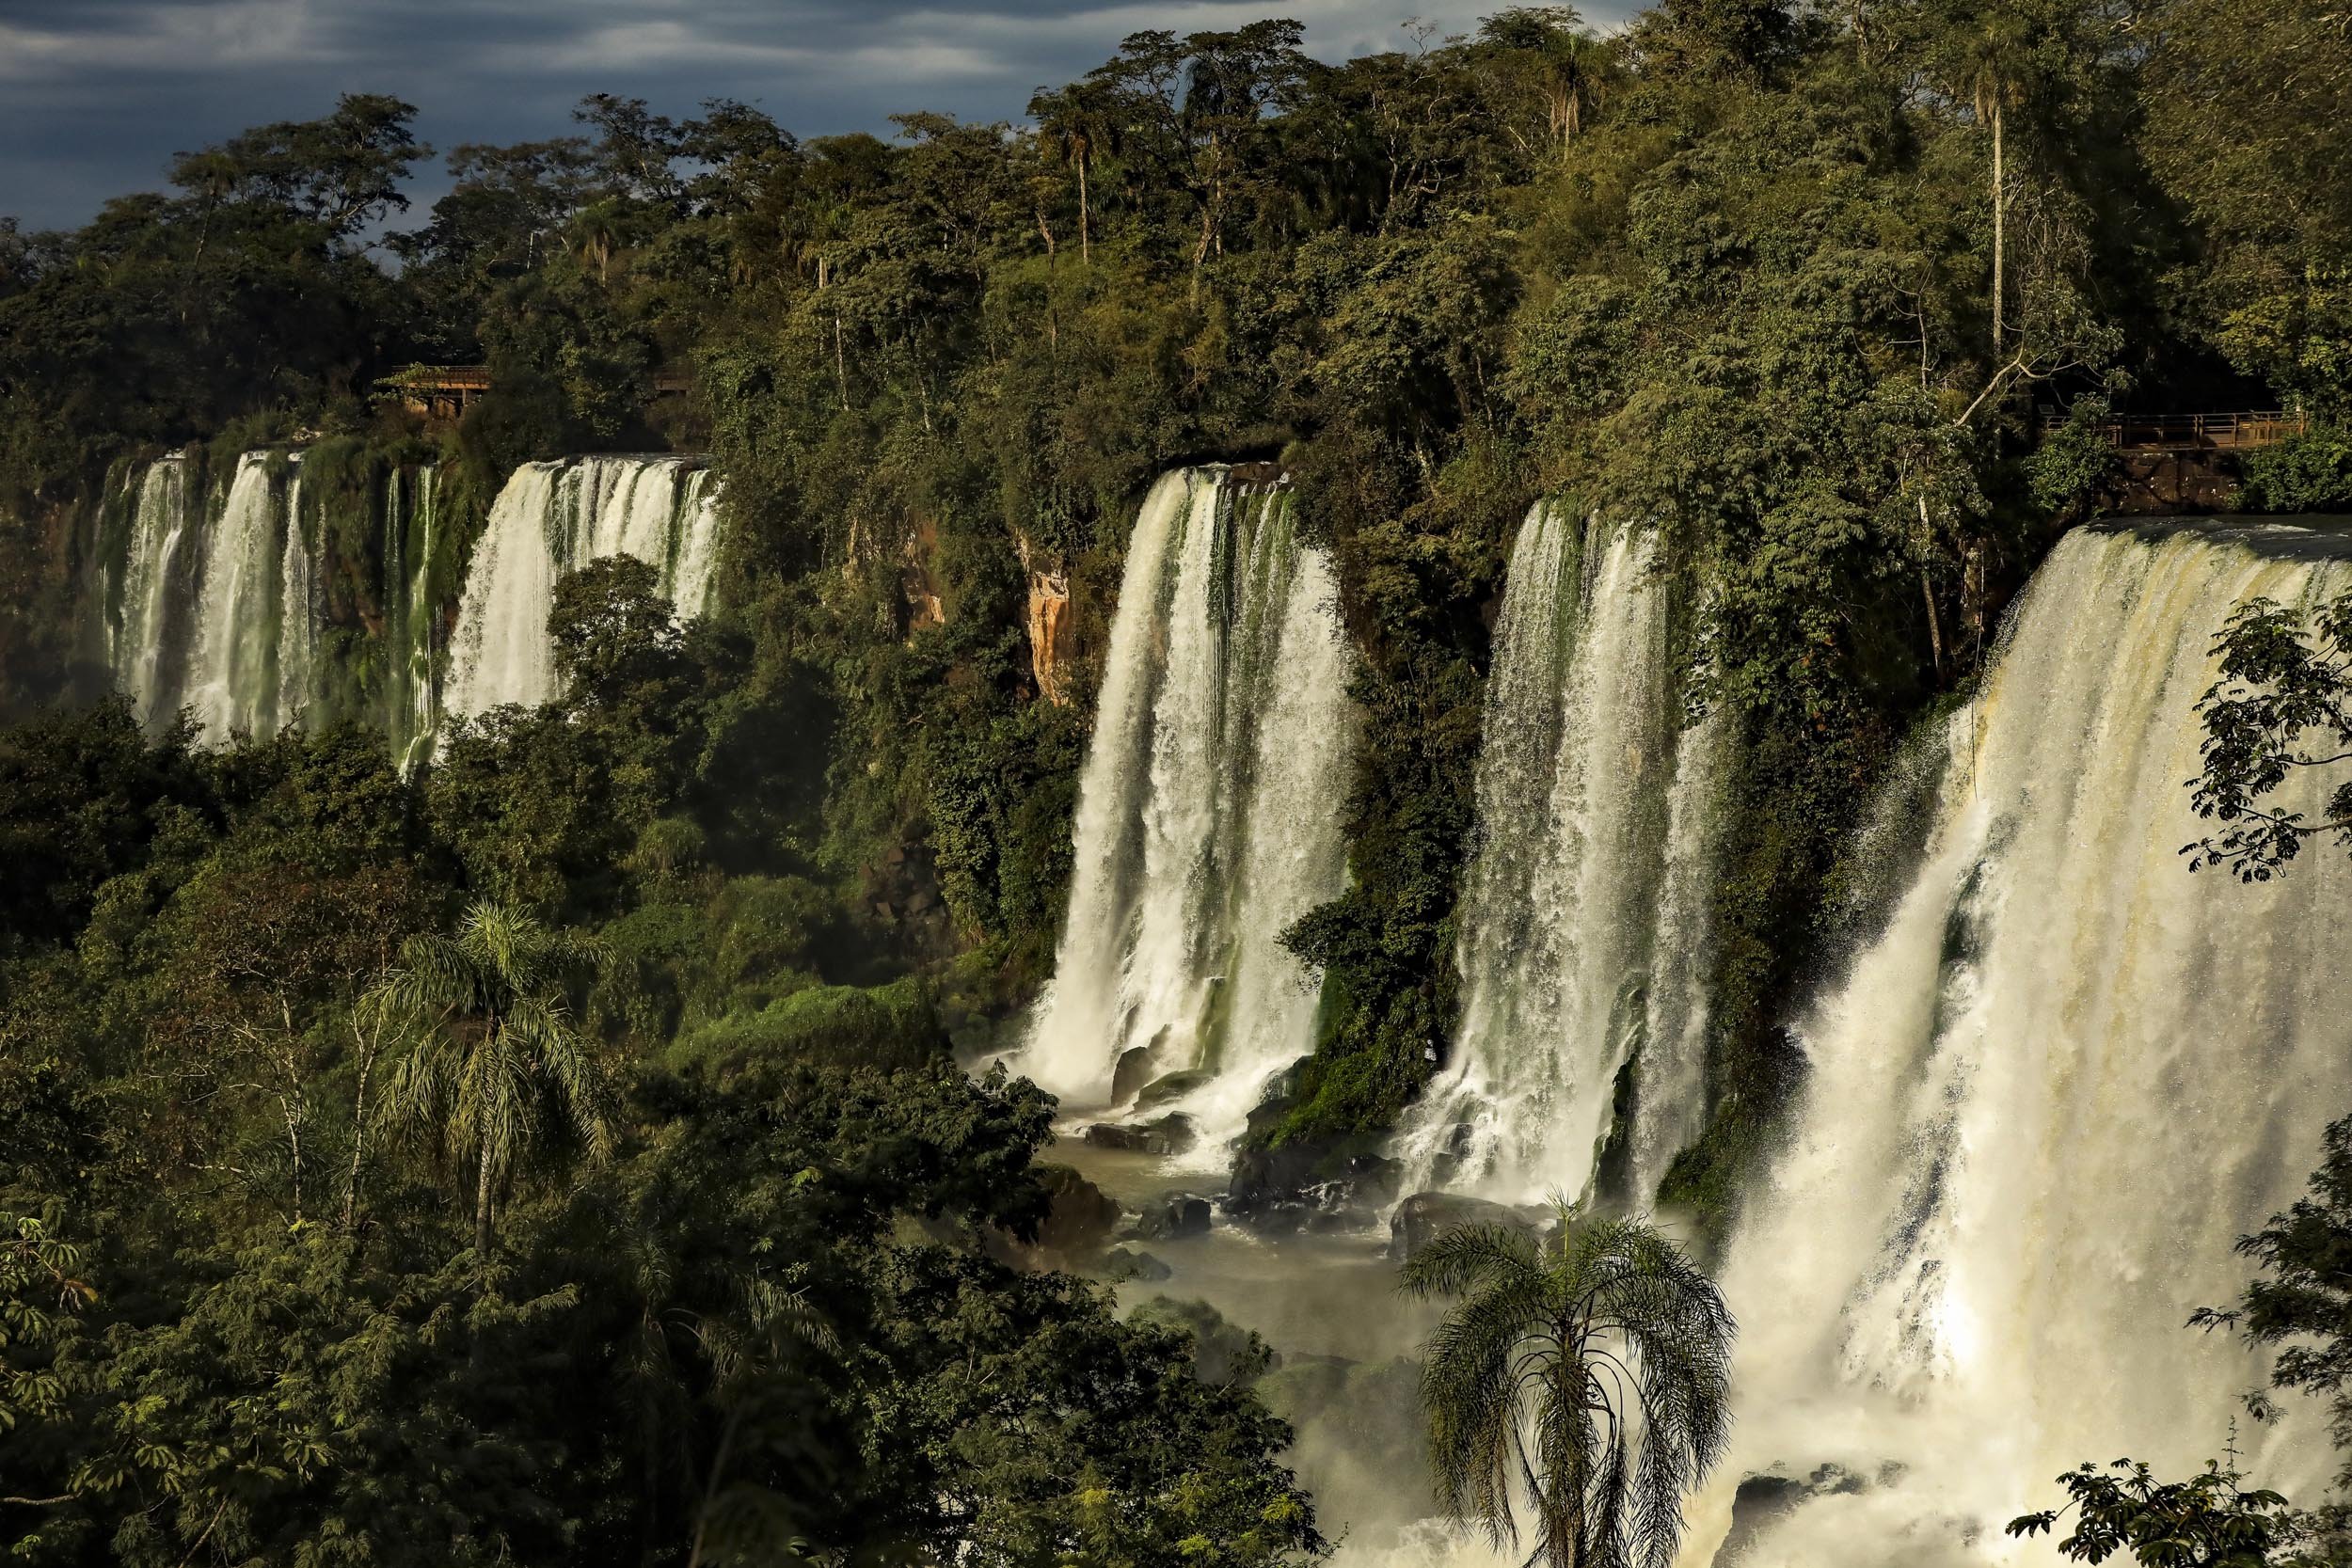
[1135, 1070]
[1223, 1351]
[1175, 1085]
[1424, 1216]
[1171, 1134]
[1080, 1217]
[1122, 1265]
[1171, 1218]
[1309, 1187]
[1764, 1500]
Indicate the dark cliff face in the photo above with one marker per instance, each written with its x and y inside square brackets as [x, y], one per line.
[44, 654]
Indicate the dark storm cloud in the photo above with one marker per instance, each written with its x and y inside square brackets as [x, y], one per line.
[96, 95]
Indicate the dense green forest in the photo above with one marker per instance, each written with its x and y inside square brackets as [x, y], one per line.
[559, 1153]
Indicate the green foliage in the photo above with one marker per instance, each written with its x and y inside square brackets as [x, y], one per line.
[888, 1026]
[490, 1071]
[2207, 1520]
[2284, 675]
[1531, 1383]
[2307, 472]
[2074, 464]
[82, 793]
[1732, 271]
[2303, 1304]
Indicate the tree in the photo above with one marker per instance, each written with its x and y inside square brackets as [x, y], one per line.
[494, 1070]
[1570, 62]
[341, 172]
[2207, 1521]
[2243, 130]
[1077, 130]
[1988, 65]
[614, 636]
[2285, 675]
[2303, 1306]
[1587, 1370]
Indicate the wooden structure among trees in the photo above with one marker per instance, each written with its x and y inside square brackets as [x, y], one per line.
[446, 391]
[2173, 463]
[2199, 432]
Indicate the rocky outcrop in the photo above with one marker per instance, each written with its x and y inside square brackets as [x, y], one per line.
[1424, 1216]
[1302, 1186]
[1169, 1134]
[1049, 624]
[1137, 1066]
[1766, 1500]
[919, 578]
[1171, 1218]
[1079, 1219]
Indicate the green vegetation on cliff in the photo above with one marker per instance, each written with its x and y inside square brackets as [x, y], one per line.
[1800, 283]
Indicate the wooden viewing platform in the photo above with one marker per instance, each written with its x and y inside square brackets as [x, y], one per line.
[446, 391]
[2239, 432]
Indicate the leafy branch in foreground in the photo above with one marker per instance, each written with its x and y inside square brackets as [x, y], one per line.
[2207, 1521]
[2303, 1304]
[1588, 1370]
[2286, 675]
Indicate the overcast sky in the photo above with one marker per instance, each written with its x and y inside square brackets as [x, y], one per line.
[96, 95]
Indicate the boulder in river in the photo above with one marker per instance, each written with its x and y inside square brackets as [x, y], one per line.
[1171, 1218]
[1169, 1134]
[1081, 1216]
[1174, 1086]
[1136, 1068]
[1303, 1186]
[1424, 1216]
[1122, 1265]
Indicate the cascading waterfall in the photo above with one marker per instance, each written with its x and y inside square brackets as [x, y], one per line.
[411, 695]
[1583, 933]
[1208, 808]
[2044, 1099]
[146, 606]
[552, 519]
[215, 609]
[249, 667]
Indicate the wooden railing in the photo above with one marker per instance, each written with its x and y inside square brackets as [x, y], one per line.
[2197, 432]
[448, 390]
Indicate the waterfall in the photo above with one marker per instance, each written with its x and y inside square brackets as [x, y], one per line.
[2045, 1098]
[412, 698]
[555, 517]
[255, 560]
[1583, 926]
[1208, 809]
[215, 607]
[147, 603]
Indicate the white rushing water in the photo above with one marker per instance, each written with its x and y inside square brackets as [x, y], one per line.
[555, 517]
[411, 622]
[146, 608]
[2044, 1101]
[1584, 926]
[1208, 810]
[215, 603]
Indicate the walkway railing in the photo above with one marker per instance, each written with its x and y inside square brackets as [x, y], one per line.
[2235, 432]
[447, 389]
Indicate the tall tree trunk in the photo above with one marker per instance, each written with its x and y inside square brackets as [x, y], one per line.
[359, 1124]
[2000, 232]
[1200, 252]
[1085, 249]
[840, 365]
[1927, 591]
[482, 1205]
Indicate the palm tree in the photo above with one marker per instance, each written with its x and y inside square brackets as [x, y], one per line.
[494, 1069]
[1991, 61]
[1587, 1370]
